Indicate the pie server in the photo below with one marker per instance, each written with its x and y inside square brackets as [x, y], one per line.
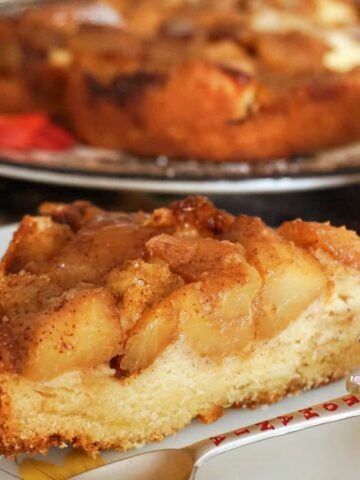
[184, 463]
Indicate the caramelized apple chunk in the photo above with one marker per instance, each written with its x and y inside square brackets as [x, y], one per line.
[155, 330]
[107, 242]
[80, 330]
[292, 277]
[192, 217]
[190, 257]
[34, 243]
[76, 214]
[217, 313]
[139, 286]
[199, 215]
[215, 316]
[341, 244]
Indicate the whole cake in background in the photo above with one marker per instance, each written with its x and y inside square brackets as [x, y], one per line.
[225, 80]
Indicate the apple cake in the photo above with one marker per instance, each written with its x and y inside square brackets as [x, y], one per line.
[221, 80]
[118, 329]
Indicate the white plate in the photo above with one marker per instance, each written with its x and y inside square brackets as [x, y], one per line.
[329, 452]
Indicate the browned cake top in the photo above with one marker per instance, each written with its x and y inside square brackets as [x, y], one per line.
[81, 287]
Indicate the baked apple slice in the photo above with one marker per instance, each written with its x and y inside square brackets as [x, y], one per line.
[155, 330]
[217, 313]
[139, 286]
[214, 312]
[35, 242]
[191, 257]
[62, 337]
[292, 278]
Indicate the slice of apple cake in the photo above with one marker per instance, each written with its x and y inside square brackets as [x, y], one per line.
[119, 329]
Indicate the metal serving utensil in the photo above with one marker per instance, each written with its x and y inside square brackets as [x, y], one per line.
[184, 463]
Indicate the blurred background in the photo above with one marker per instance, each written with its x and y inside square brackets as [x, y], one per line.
[254, 103]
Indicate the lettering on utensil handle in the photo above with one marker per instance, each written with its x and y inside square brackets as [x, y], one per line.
[308, 413]
[217, 440]
[266, 425]
[285, 419]
[350, 400]
[330, 406]
[241, 431]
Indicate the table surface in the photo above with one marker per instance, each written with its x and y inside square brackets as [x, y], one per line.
[340, 206]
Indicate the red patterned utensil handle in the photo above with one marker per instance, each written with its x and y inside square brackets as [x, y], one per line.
[184, 463]
[331, 411]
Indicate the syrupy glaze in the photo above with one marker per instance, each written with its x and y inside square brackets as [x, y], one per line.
[104, 240]
[107, 241]
[97, 249]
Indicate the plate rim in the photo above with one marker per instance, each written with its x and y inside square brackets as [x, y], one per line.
[268, 185]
